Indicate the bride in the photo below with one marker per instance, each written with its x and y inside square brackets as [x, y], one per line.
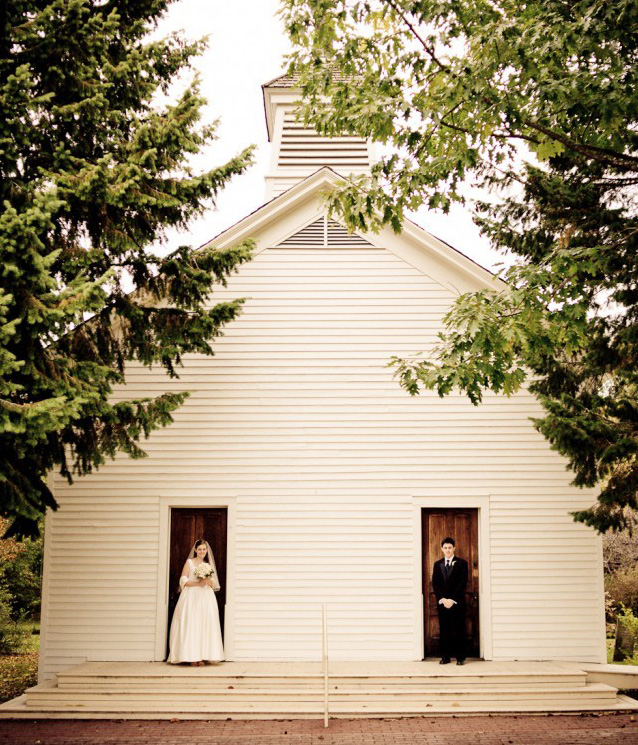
[195, 634]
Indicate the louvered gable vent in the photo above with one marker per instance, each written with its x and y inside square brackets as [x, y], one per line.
[304, 147]
[325, 233]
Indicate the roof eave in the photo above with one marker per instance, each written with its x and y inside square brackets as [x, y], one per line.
[326, 177]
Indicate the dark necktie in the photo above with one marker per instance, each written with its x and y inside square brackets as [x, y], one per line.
[448, 566]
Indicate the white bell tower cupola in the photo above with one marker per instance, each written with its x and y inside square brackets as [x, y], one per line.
[297, 152]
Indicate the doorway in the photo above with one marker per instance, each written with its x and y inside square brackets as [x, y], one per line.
[462, 525]
[187, 526]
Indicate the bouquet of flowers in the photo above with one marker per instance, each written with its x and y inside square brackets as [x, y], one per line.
[204, 571]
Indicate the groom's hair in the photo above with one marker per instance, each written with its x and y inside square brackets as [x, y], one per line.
[447, 540]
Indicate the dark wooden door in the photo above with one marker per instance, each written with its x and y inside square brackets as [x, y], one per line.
[462, 525]
[187, 526]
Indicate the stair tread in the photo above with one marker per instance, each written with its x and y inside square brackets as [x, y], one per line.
[457, 688]
[345, 710]
[18, 708]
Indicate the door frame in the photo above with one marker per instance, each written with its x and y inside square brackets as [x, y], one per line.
[166, 503]
[451, 501]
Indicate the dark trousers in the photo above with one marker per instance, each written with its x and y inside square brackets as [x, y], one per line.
[452, 631]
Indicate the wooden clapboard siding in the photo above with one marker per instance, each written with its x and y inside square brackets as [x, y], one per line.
[297, 419]
[102, 578]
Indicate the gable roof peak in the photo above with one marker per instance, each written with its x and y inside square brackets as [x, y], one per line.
[415, 240]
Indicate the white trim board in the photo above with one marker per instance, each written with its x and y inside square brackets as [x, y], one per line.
[46, 585]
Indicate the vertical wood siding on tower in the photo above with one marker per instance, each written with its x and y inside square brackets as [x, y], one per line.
[297, 417]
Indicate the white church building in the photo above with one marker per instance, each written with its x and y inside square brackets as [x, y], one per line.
[315, 477]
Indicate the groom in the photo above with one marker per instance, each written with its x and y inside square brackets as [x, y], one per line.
[449, 580]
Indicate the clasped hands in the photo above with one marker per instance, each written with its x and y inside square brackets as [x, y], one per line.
[447, 603]
[208, 581]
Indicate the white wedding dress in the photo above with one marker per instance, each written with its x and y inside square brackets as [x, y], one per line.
[195, 630]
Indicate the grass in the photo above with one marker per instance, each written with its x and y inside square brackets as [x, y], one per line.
[20, 671]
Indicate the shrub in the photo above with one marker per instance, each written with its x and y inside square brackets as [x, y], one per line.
[610, 609]
[24, 581]
[17, 673]
[21, 571]
[628, 625]
[11, 637]
[622, 587]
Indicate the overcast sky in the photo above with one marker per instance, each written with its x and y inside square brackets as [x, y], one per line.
[246, 49]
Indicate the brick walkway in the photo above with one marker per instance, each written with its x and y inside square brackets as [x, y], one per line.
[615, 729]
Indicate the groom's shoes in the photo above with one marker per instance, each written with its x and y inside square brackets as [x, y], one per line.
[460, 662]
[444, 661]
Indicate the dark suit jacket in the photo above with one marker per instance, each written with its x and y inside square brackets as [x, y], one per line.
[454, 586]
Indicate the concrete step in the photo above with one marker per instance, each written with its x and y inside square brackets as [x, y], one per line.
[17, 709]
[211, 677]
[405, 692]
[101, 690]
[231, 699]
[215, 686]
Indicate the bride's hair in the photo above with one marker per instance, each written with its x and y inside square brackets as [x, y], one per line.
[199, 543]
